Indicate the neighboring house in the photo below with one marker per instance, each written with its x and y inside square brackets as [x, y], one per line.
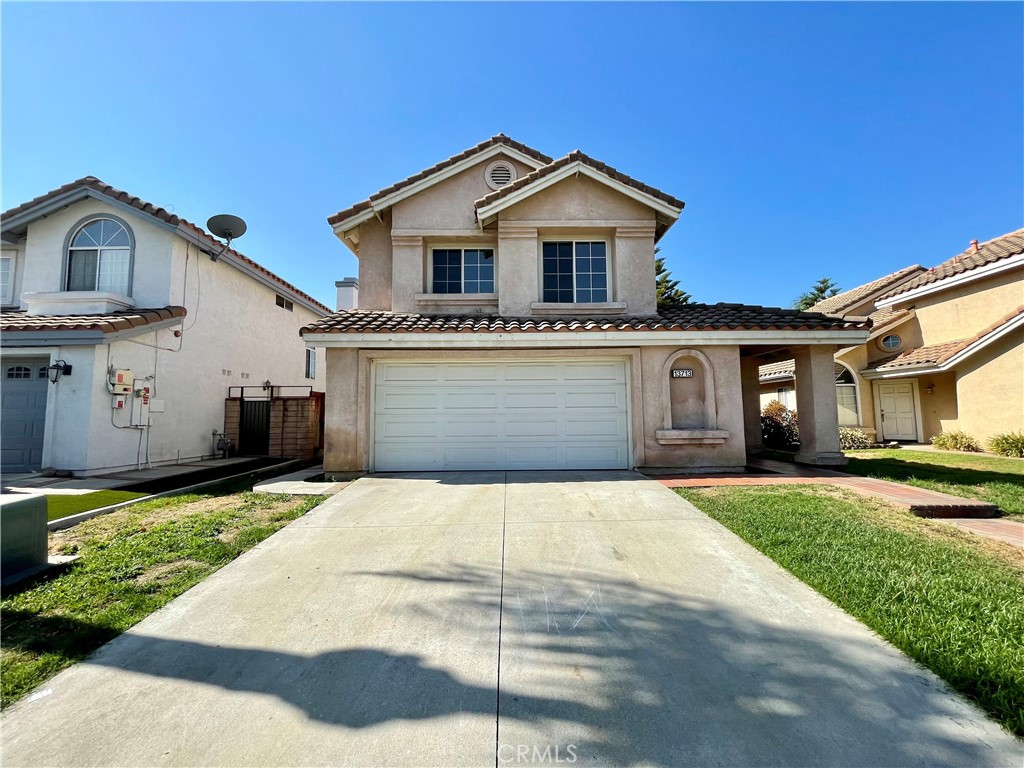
[946, 350]
[96, 282]
[507, 320]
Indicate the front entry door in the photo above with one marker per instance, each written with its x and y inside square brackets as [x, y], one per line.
[897, 405]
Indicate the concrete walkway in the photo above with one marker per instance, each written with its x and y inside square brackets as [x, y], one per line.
[483, 619]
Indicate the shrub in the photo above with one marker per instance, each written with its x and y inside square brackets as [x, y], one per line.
[955, 441]
[779, 428]
[1008, 444]
[851, 439]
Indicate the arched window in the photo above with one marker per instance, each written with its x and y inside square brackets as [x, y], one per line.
[846, 397]
[100, 257]
[19, 372]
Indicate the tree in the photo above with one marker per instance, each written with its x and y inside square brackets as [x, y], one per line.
[668, 291]
[820, 291]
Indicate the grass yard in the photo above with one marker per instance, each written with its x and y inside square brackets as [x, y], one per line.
[132, 561]
[58, 506]
[953, 603]
[995, 479]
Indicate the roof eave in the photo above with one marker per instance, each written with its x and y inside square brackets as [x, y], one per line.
[953, 281]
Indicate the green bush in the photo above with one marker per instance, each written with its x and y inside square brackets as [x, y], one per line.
[779, 427]
[955, 441]
[1008, 444]
[851, 439]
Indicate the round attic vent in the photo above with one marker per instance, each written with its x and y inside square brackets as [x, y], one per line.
[499, 173]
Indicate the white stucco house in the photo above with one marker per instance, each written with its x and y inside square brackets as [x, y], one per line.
[125, 328]
[507, 319]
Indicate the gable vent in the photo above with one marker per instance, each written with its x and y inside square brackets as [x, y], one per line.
[499, 174]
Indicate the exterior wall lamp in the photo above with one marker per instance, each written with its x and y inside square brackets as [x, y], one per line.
[929, 389]
[56, 370]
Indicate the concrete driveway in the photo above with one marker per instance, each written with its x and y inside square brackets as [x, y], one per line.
[519, 618]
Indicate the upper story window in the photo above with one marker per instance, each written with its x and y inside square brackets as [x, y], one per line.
[310, 363]
[100, 258]
[6, 280]
[285, 303]
[462, 270]
[891, 342]
[575, 272]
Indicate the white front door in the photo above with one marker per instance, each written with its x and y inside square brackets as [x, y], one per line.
[550, 414]
[896, 402]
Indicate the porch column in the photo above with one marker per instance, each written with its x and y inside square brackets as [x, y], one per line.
[751, 389]
[816, 406]
[406, 271]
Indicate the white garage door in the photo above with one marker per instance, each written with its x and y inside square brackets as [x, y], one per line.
[501, 415]
[23, 414]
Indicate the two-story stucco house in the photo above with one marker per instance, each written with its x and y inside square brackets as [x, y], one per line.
[124, 328]
[507, 319]
[946, 350]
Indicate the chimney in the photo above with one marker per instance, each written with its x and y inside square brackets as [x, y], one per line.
[974, 246]
[348, 293]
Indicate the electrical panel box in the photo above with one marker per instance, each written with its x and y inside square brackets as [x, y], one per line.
[122, 381]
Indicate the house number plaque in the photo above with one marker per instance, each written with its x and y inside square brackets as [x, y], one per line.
[682, 373]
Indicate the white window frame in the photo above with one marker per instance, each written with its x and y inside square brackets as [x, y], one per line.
[575, 286]
[884, 348]
[462, 248]
[70, 248]
[7, 297]
[310, 363]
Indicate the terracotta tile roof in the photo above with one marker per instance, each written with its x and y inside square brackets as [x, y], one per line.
[887, 315]
[784, 369]
[937, 354]
[16, 321]
[1000, 248]
[574, 157]
[499, 139]
[839, 303]
[162, 214]
[688, 317]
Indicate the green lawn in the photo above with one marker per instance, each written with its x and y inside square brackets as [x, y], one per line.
[995, 479]
[58, 506]
[132, 561]
[953, 604]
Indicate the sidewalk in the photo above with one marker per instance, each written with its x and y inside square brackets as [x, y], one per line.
[920, 501]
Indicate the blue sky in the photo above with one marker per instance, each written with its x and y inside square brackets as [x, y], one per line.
[847, 140]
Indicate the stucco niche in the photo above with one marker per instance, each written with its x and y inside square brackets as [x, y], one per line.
[691, 415]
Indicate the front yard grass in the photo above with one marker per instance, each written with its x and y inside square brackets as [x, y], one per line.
[131, 562]
[61, 505]
[953, 603]
[995, 479]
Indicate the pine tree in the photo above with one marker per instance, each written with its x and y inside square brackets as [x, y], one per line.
[820, 291]
[668, 291]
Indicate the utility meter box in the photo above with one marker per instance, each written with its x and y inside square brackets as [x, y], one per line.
[121, 381]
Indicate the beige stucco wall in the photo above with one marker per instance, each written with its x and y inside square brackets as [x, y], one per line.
[448, 205]
[349, 410]
[375, 264]
[990, 389]
[581, 200]
[960, 313]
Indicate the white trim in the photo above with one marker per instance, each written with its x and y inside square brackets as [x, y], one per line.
[915, 395]
[377, 206]
[959, 357]
[894, 322]
[580, 339]
[572, 169]
[955, 280]
[7, 299]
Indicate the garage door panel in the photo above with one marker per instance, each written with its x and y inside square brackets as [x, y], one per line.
[457, 400]
[547, 415]
[475, 428]
[517, 427]
[532, 400]
[22, 414]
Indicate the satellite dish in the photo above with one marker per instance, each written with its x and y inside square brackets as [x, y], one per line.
[227, 227]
